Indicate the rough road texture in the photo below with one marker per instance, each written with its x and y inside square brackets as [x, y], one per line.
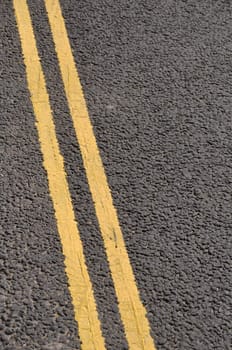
[35, 306]
[157, 77]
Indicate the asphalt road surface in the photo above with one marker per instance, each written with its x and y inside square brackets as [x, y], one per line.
[157, 79]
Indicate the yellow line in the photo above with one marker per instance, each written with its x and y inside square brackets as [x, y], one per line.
[131, 309]
[79, 281]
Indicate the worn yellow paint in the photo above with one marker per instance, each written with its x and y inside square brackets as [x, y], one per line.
[79, 281]
[131, 309]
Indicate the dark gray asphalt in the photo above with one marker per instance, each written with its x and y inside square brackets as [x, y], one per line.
[35, 306]
[157, 77]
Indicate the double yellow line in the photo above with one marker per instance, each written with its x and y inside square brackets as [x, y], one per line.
[132, 312]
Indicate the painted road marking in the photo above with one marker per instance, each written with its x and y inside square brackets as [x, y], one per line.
[79, 281]
[132, 311]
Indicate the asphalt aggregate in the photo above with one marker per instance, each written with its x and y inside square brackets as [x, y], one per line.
[157, 79]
